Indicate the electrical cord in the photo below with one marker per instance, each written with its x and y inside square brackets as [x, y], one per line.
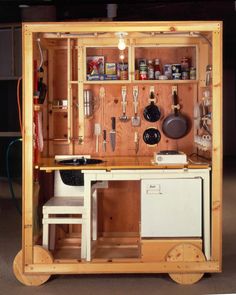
[9, 177]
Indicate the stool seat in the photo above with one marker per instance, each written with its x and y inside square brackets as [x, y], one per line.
[69, 204]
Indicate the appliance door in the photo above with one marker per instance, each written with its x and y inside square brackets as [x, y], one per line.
[171, 207]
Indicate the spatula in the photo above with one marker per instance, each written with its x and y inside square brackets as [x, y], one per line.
[124, 117]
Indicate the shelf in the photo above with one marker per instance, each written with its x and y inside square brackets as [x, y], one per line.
[108, 82]
[143, 82]
[165, 81]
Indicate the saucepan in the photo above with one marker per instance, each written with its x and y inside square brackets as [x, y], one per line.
[151, 112]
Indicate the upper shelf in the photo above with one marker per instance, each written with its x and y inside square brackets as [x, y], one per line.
[142, 82]
[141, 64]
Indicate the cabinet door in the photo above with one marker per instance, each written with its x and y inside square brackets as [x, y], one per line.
[171, 207]
[6, 53]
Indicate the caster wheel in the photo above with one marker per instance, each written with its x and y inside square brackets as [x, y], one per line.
[186, 253]
[41, 255]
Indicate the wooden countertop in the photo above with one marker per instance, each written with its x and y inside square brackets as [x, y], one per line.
[49, 164]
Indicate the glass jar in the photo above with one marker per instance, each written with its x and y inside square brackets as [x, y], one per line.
[150, 70]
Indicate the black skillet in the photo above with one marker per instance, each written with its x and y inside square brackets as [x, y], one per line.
[151, 136]
[151, 112]
[175, 125]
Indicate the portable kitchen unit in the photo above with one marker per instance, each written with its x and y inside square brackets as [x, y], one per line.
[122, 149]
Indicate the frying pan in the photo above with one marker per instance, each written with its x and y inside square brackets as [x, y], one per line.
[175, 125]
[151, 136]
[151, 112]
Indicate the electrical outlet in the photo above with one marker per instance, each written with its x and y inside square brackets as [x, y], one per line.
[174, 89]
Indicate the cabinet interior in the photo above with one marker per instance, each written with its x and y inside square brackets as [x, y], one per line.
[66, 130]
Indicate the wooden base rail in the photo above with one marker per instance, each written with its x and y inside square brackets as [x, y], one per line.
[126, 267]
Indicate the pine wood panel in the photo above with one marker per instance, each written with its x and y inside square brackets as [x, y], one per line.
[217, 147]
[27, 208]
[119, 207]
[141, 26]
[111, 104]
[157, 249]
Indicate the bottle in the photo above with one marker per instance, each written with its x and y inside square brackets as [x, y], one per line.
[157, 69]
[143, 70]
[150, 70]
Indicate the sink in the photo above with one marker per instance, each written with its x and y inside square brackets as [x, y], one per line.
[75, 177]
[80, 161]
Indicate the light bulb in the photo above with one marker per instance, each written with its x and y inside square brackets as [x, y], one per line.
[122, 55]
[121, 43]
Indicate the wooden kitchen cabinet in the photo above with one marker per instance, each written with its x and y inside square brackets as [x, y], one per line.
[66, 130]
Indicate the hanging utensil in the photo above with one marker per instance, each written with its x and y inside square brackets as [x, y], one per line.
[104, 143]
[175, 125]
[151, 136]
[135, 119]
[97, 132]
[136, 141]
[151, 112]
[124, 117]
[113, 133]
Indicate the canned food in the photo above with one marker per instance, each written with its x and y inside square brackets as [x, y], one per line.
[123, 71]
[176, 71]
[143, 74]
[192, 73]
[124, 75]
[168, 71]
[136, 74]
[143, 70]
[185, 75]
[176, 76]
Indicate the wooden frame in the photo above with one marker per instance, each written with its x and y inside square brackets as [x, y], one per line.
[29, 184]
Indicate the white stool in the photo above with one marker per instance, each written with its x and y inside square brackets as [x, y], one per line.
[67, 200]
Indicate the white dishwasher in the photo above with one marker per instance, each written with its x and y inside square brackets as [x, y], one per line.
[171, 207]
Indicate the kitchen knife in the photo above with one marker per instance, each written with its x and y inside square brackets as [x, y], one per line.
[104, 143]
[113, 133]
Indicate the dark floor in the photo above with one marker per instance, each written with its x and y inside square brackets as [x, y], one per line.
[224, 283]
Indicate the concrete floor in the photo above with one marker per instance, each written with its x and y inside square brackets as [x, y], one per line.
[224, 283]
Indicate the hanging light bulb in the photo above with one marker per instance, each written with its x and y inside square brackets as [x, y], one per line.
[121, 42]
[122, 55]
